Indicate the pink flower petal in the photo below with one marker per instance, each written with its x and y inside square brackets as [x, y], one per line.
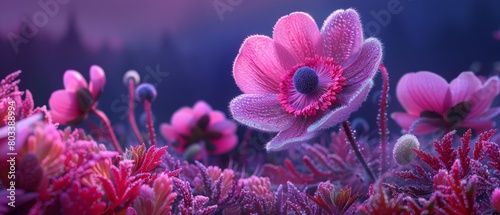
[64, 102]
[97, 81]
[481, 100]
[73, 80]
[404, 120]
[489, 114]
[224, 127]
[351, 100]
[201, 108]
[183, 120]
[296, 134]
[464, 86]
[479, 127]
[260, 111]
[297, 36]
[168, 131]
[421, 125]
[422, 91]
[257, 68]
[342, 36]
[216, 116]
[367, 63]
[60, 118]
[225, 144]
[427, 126]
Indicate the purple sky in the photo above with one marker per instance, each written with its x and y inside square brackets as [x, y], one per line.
[119, 22]
[112, 21]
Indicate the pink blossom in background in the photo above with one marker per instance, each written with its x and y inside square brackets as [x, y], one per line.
[496, 34]
[73, 104]
[436, 104]
[495, 199]
[199, 124]
[303, 79]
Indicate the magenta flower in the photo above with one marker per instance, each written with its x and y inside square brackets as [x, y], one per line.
[495, 199]
[304, 79]
[73, 104]
[200, 124]
[496, 34]
[432, 104]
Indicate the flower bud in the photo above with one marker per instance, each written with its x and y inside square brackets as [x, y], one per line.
[131, 74]
[403, 150]
[145, 92]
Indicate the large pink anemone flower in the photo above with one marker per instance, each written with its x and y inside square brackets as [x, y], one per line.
[304, 79]
[73, 104]
[431, 104]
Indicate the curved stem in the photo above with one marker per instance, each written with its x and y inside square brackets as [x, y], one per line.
[244, 145]
[131, 106]
[102, 116]
[350, 137]
[151, 129]
[383, 118]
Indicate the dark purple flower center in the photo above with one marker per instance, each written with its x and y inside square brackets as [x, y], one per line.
[200, 133]
[305, 80]
[451, 119]
[84, 99]
[311, 86]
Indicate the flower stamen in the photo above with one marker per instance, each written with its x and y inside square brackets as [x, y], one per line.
[311, 86]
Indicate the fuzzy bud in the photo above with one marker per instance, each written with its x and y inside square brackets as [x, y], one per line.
[145, 92]
[403, 150]
[131, 74]
[495, 199]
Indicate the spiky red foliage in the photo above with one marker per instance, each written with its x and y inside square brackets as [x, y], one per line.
[82, 200]
[157, 200]
[333, 201]
[121, 189]
[430, 159]
[381, 203]
[461, 188]
[423, 207]
[190, 204]
[9, 84]
[297, 201]
[222, 189]
[493, 152]
[444, 148]
[463, 152]
[478, 146]
[145, 161]
[335, 163]
[457, 196]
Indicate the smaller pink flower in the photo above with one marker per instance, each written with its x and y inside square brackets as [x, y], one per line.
[73, 104]
[496, 34]
[431, 103]
[495, 199]
[200, 124]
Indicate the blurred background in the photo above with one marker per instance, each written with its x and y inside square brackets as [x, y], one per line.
[187, 47]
